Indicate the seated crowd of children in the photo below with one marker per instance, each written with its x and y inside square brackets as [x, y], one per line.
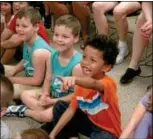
[67, 90]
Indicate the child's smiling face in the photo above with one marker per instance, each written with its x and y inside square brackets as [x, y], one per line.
[25, 28]
[92, 63]
[63, 38]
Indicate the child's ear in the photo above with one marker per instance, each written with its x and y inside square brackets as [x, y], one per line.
[3, 111]
[76, 39]
[106, 68]
[36, 27]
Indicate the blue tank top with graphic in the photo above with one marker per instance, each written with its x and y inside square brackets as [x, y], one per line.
[39, 43]
[59, 70]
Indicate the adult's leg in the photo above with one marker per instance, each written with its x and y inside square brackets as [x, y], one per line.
[139, 44]
[82, 11]
[59, 9]
[99, 10]
[120, 13]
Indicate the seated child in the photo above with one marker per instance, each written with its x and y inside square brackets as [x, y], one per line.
[64, 62]
[95, 95]
[35, 51]
[33, 133]
[6, 92]
[10, 40]
[141, 121]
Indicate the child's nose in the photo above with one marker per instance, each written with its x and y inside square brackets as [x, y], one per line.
[59, 38]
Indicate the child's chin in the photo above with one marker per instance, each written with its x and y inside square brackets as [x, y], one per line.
[87, 75]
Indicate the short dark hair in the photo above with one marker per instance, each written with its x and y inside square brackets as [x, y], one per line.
[30, 12]
[70, 21]
[106, 45]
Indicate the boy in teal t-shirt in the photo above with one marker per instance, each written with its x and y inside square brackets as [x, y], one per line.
[63, 62]
[35, 50]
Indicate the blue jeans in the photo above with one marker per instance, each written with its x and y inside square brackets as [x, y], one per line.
[98, 133]
[78, 124]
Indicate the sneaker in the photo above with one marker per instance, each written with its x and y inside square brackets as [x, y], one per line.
[129, 75]
[16, 110]
[122, 54]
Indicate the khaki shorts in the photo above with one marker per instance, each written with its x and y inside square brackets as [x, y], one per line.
[19, 88]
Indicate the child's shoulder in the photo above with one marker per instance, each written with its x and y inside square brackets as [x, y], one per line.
[108, 81]
[77, 56]
[40, 43]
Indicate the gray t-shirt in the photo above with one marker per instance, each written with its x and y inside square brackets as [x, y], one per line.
[4, 131]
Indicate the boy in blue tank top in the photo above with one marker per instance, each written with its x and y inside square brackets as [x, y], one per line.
[64, 62]
[35, 50]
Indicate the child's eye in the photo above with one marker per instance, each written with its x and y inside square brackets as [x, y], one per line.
[65, 37]
[93, 60]
[25, 26]
[55, 34]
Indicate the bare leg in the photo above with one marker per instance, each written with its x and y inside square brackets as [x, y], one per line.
[7, 55]
[99, 10]
[47, 12]
[82, 11]
[45, 115]
[120, 13]
[59, 9]
[31, 98]
[139, 44]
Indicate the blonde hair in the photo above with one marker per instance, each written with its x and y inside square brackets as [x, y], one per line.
[7, 91]
[34, 133]
[71, 22]
[31, 13]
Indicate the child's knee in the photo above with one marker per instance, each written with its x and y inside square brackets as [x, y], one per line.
[119, 13]
[24, 95]
[45, 117]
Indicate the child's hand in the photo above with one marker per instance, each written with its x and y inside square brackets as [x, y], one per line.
[46, 100]
[68, 82]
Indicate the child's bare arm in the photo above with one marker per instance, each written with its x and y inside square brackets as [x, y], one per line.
[6, 34]
[66, 117]
[77, 71]
[89, 83]
[85, 82]
[134, 120]
[46, 85]
[65, 98]
[39, 59]
[18, 68]
[12, 42]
